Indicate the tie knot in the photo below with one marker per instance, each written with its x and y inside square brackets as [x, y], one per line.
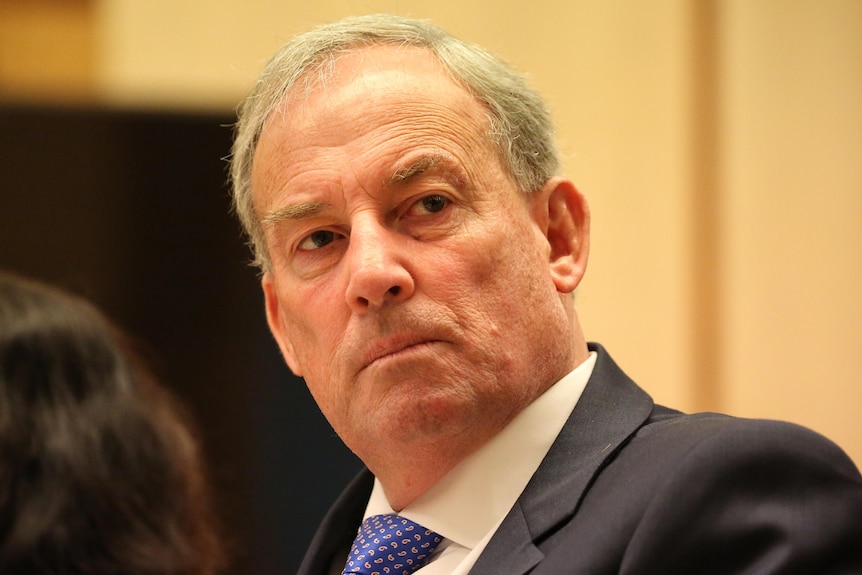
[390, 545]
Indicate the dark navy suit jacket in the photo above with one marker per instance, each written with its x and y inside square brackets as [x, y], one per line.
[633, 488]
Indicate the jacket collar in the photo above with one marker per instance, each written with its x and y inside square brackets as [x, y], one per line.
[608, 413]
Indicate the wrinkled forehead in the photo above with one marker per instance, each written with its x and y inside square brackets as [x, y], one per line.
[373, 72]
[371, 106]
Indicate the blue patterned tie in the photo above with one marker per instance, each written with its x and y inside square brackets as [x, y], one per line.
[390, 545]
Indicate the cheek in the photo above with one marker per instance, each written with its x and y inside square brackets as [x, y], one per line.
[316, 353]
[509, 263]
[513, 282]
[489, 280]
[315, 326]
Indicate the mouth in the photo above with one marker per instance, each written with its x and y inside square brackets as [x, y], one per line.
[393, 347]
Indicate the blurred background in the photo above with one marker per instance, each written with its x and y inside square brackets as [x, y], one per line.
[718, 142]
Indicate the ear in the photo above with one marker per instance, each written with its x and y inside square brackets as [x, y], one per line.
[562, 213]
[276, 323]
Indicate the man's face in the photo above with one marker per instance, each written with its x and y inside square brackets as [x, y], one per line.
[410, 284]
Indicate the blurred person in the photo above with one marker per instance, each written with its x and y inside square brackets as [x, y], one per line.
[99, 470]
[419, 251]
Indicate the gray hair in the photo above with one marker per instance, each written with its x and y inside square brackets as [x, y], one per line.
[520, 126]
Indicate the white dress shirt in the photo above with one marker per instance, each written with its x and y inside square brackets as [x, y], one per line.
[471, 501]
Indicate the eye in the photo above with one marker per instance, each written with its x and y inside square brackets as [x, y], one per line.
[316, 240]
[432, 204]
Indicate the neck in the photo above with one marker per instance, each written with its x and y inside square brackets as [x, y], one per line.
[420, 467]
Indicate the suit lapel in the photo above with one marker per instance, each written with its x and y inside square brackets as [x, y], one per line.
[609, 411]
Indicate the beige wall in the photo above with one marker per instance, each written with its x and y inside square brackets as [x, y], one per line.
[719, 143]
[791, 211]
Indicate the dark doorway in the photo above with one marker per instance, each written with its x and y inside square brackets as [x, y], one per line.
[131, 209]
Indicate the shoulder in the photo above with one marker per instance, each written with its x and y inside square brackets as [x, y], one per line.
[774, 493]
[713, 494]
[712, 441]
[713, 455]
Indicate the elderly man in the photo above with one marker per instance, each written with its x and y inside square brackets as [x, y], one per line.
[420, 252]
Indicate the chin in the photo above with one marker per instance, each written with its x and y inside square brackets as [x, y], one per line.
[428, 416]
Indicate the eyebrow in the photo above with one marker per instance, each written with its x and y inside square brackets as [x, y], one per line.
[420, 167]
[413, 170]
[295, 212]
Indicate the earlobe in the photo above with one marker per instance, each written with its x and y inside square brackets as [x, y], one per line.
[568, 233]
[276, 323]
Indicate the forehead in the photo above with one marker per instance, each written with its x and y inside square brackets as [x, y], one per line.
[369, 107]
[374, 83]
[391, 70]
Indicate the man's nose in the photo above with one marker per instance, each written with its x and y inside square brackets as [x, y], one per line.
[376, 267]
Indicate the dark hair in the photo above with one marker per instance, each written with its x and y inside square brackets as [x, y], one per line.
[99, 473]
